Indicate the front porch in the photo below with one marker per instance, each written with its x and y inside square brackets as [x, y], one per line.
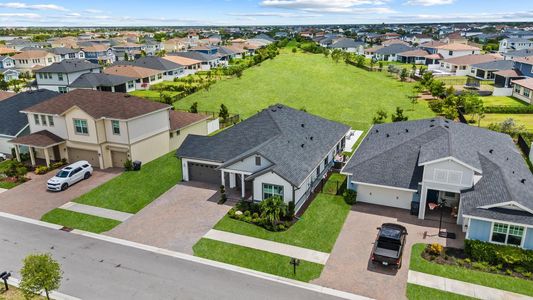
[237, 187]
[42, 145]
[436, 204]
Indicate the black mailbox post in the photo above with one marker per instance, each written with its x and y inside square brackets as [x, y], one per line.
[295, 262]
[5, 276]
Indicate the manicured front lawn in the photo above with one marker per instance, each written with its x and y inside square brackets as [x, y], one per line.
[317, 229]
[131, 191]
[501, 282]
[7, 185]
[520, 119]
[502, 101]
[256, 259]
[80, 221]
[415, 292]
[336, 91]
[334, 183]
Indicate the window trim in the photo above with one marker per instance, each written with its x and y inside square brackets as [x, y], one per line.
[115, 124]
[508, 229]
[282, 188]
[76, 129]
[37, 119]
[51, 121]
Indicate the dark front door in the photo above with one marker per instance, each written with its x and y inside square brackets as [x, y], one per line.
[57, 154]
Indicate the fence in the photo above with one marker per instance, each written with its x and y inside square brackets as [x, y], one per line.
[232, 119]
[524, 145]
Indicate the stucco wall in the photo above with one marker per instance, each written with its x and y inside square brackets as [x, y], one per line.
[272, 178]
[150, 148]
[198, 129]
[248, 164]
[58, 129]
[147, 126]
[73, 136]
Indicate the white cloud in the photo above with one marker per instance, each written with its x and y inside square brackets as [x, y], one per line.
[276, 14]
[429, 2]
[470, 17]
[330, 6]
[20, 15]
[93, 11]
[20, 5]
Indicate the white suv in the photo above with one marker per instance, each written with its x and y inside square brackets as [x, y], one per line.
[69, 175]
[3, 157]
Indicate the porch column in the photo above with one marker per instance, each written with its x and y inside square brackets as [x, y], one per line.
[232, 180]
[242, 185]
[47, 156]
[422, 208]
[17, 153]
[32, 156]
[222, 178]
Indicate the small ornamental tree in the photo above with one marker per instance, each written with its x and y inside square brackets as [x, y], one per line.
[273, 209]
[380, 117]
[194, 108]
[40, 273]
[398, 116]
[223, 113]
[403, 74]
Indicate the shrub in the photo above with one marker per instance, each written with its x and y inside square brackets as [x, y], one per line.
[508, 257]
[255, 215]
[436, 105]
[435, 249]
[247, 213]
[509, 109]
[281, 227]
[40, 170]
[247, 219]
[231, 213]
[273, 209]
[128, 165]
[350, 197]
[291, 209]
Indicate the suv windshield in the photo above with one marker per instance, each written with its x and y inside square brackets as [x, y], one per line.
[62, 174]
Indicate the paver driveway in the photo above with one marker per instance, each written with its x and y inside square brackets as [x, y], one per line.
[32, 200]
[177, 219]
[349, 267]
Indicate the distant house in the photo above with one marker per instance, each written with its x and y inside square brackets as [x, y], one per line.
[523, 89]
[68, 53]
[487, 70]
[513, 44]
[503, 82]
[460, 66]
[7, 65]
[190, 65]
[456, 50]
[13, 123]
[421, 38]
[416, 56]
[144, 77]
[525, 66]
[59, 76]
[28, 61]
[104, 82]
[6, 62]
[390, 53]
[511, 55]
[478, 174]
[280, 151]
[99, 54]
[168, 68]
[348, 45]
[208, 61]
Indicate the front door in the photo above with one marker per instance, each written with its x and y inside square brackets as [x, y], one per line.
[57, 154]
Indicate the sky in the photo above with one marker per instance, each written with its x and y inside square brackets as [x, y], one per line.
[257, 12]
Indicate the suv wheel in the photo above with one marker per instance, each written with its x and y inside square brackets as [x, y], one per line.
[64, 186]
[87, 175]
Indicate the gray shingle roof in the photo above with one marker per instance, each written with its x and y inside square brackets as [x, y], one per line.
[394, 49]
[195, 55]
[519, 53]
[63, 50]
[294, 141]
[390, 154]
[69, 66]
[152, 62]
[495, 65]
[346, 43]
[92, 80]
[12, 121]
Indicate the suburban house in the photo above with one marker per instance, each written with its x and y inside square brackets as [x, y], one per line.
[390, 53]
[190, 65]
[348, 45]
[60, 75]
[169, 69]
[104, 128]
[13, 123]
[460, 66]
[97, 53]
[207, 61]
[416, 56]
[523, 89]
[7, 65]
[144, 77]
[478, 174]
[518, 54]
[525, 66]
[280, 151]
[104, 82]
[68, 53]
[503, 82]
[513, 44]
[486, 70]
[456, 50]
[6, 62]
[28, 61]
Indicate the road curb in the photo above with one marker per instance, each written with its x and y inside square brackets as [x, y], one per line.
[54, 295]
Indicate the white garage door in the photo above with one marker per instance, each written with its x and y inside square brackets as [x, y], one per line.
[75, 155]
[384, 196]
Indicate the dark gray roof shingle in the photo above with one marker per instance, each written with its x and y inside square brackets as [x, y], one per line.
[93, 80]
[152, 62]
[69, 66]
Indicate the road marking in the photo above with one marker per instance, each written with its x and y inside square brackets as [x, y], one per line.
[54, 295]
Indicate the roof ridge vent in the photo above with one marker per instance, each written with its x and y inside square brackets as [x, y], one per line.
[302, 145]
[523, 180]
[491, 150]
[388, 135]
[303, 125]
[406, 130]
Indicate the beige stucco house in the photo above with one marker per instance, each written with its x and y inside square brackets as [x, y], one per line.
[106, 129]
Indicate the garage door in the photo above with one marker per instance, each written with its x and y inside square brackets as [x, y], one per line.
[75, 155]
[118, 158]
[384, 196]
[204, 173]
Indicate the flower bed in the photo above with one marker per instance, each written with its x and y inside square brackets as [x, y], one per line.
[485, 257]
[272, 214]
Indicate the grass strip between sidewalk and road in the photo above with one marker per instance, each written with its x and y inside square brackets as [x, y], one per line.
[418, 292]
[76, 220]
[258, 260]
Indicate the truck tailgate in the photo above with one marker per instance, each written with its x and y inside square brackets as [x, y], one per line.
[386, 253]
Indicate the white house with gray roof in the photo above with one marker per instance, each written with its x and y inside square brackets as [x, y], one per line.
[479, 173]
[59, 76]
[280, 151]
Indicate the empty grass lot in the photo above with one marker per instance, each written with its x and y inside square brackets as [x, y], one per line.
[256, 259]
[317, 229]
[417, 292]
[520, 119]
[332, 90]
[502, 101]
[80, 221]
[501, 282]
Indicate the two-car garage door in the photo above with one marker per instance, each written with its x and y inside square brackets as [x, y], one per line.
[75, 155]
[203, 173]
[384, 196]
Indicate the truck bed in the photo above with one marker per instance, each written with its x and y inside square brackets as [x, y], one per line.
[386, 253]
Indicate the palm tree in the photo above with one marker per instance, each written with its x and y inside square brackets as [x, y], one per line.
[273, 209]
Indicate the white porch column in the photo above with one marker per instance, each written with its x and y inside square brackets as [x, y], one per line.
[242, 185]
[17, 153]
[32, 156]
[232, 180]
[222, 178]
[47, 156]
[422, 208]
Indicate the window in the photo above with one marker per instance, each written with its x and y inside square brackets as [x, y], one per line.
[517, 88]
[526, 92]
[450, 53]
[507, 234]
[60, 76]
[152, 78]
[62, 89]
[43, 120]
[258, 160]
[131, 84]
[159, 76]
[271, 190]
[36, 118]
[318, 171]
[116, 127]
[51, 121]
[80, 127]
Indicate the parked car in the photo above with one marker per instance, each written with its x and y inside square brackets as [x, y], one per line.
[69, 175]
[3, 157]
[388, 248]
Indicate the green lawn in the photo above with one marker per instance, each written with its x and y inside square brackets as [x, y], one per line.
[332, 90]
[256, 259]
[501, 282]
[334, 183]
[520, 119]
[502, 101]
[80, 221]
[131, 191]
[152, 95]
[7, 185]
[317, 229]
[416, 292]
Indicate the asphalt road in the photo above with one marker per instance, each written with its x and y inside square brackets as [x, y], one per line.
[95, 269]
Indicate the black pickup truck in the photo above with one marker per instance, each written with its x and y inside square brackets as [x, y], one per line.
[388, 248]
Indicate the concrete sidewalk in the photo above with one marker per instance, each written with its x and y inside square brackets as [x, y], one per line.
[268, 246]
[461, 287]
[96, 211]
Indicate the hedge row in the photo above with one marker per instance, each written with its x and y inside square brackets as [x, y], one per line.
[507, 256]
[526, 109]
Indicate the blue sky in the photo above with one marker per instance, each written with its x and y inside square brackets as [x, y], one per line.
[257, 12]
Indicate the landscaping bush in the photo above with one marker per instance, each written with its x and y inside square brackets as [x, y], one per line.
[350, 197]
[128, 165]
[435, 249]
[509, 109]
[40, 170]
[509, 257]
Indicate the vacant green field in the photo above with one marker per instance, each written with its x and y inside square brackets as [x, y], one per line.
[78, 220]
[521, 119]
[317, 228]
[502, 101]
[256, 260]
[332, 90]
